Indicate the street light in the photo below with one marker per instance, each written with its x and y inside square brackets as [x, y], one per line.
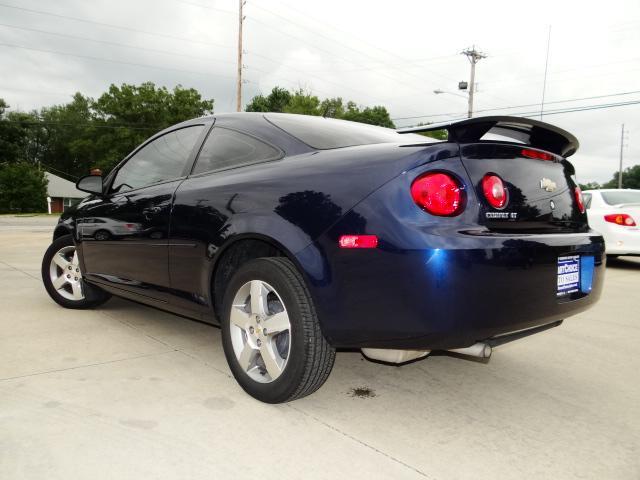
[438, 92]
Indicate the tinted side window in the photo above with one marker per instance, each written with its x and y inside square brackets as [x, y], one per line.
[587, 200]
[162, 159]
[227, 148]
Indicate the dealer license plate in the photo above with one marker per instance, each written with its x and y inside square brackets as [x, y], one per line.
[568, 274]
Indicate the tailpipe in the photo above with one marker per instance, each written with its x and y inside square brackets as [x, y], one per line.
[479, 350]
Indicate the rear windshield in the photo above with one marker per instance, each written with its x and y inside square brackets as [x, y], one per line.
[621, 196]
[326, 133]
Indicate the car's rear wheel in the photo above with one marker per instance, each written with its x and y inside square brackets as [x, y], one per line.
[270, 332]
[62, 277]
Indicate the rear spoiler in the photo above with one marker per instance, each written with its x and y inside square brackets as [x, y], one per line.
[532, 132]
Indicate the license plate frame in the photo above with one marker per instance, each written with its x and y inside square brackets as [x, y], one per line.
[568, 275]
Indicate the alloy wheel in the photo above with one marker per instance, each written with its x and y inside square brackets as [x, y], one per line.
[260, 331]
[65, 274]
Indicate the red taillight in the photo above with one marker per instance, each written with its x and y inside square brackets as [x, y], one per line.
[579, 200]
[439, 194]
[621, 219]
[358, 241]
[537, 154]
[494, 190]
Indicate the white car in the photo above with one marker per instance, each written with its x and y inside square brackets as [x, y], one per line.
[616, 215]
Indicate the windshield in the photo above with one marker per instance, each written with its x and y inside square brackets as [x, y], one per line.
[621, 196]
[326, 133]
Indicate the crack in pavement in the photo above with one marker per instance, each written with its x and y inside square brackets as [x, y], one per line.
[87, 365]
[357, 440]
[19, 270]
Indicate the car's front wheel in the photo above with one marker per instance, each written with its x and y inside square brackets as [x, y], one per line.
[62, 277]
[270, 332]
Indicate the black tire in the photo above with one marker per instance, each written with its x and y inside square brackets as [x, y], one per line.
[102, 235]
[310, 358]
[93, 296]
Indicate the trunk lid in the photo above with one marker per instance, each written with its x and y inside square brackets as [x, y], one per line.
[529, 156]
[540, 193]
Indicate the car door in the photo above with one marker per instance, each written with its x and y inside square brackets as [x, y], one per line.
[128, 248]
[203, 204]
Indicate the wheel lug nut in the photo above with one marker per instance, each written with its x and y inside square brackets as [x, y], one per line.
[68, 276]
[251, 330]
[69, 267]
[257, 319]
[77, 269]
[259, 342]
[75, 278]
[264, 331]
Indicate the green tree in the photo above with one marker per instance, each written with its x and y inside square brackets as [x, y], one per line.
[276, 101]
[305, 103]
[69, 137]
[129, 114]
[630, 178]
[332, 108]
[17, 135]
[23, 188]
[437, 134]
[589, 186]
[377, 115]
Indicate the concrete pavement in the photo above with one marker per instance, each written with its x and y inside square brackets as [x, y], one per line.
[128, 392]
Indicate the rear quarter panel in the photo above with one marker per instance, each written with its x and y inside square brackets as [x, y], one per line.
[291, 201]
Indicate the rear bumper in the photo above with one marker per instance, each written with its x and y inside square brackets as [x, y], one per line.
[464, 288]
[622, 241]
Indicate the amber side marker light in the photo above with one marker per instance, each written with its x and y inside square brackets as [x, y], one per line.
[358, 241]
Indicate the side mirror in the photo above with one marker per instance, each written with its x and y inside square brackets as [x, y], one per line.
[90, 184]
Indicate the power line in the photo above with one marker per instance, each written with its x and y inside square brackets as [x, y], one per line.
[579, 109]
[343, 45]
[116, 44]
[584, 108]
[546, 66]
[332, 54]
[49, 167]
[100, 59]
[208, 7]
[77, 124]
[359, 52]
[41, 92]
[521, 106]
[110, 25]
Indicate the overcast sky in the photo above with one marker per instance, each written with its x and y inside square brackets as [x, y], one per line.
[390, 53]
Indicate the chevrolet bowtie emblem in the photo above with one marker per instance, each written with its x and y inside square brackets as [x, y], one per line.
[548, 185]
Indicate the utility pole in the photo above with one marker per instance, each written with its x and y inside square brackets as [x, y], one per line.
[239, 85]
[474, 57]
[621, 154]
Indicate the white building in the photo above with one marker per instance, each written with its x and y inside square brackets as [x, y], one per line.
[61, 193]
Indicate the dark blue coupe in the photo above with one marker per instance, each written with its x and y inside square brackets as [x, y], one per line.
[300, 235]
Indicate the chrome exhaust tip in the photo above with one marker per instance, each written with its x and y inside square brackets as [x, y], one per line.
[479, 350]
